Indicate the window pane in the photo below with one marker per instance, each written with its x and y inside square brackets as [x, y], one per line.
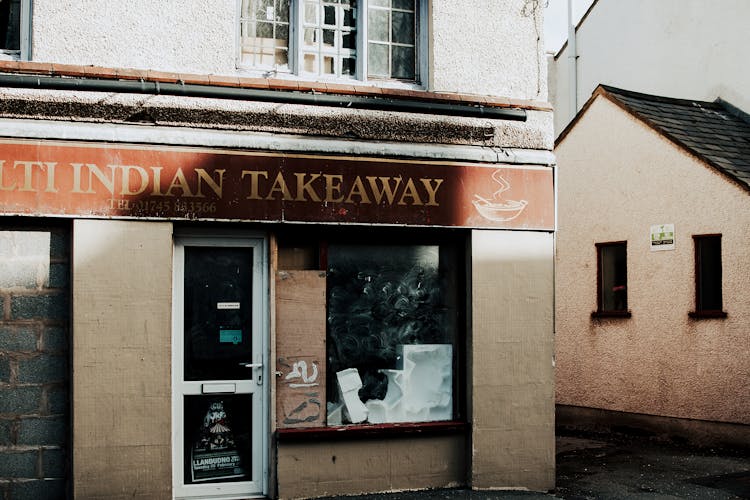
[329, 38]
[311, 12]
[348, 66]
[403, 28]
[348, 40]
[391, 340]
[328, 65]
[282, 11]
[377, 25]
[264, 30]
[310, 63]
[282, 57]
[349, 20]
[282, 33]
[380, 3]
[708, 253]
[377, 60]
[403, 4]
[329, 15]
[310, 39]
[613, 277]
[218, 327]
[403, 63]
[218, 438]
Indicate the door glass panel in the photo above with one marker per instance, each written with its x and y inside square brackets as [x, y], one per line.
[218, 317]
[218, 438]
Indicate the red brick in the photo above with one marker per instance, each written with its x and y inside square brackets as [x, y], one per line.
[99, 72]
[10, 66]
[131, 74]
[163, 76]
[67, 69]
[193, 79]
[281, 84]
[253, 83]
[36, 67]
[224, 81]
[336, 88]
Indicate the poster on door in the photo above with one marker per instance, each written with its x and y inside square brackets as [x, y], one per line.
[214, 455]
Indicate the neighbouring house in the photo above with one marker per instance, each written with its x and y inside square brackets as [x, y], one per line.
[687, 49]
[652, 260]
[274, 248]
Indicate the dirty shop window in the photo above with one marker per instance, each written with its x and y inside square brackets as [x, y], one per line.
[708, 276]
[612, 278]
[345, 39]
[391, 342]
[14, 19]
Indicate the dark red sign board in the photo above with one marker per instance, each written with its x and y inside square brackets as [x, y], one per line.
[105, 180]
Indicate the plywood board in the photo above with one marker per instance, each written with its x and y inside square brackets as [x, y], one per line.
[300, 349]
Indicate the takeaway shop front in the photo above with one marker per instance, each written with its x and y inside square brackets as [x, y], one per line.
[248, 323]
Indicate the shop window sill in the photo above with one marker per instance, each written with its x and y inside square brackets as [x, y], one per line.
[707, 314]
[367, 431]
[610, 314]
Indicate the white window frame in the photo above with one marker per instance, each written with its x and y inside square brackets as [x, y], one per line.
[360, 77]
[24, 52]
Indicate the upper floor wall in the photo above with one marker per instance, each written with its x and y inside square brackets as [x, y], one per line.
[689, 49]
[486, 47]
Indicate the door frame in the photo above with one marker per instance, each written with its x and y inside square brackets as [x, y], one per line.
[261, 323]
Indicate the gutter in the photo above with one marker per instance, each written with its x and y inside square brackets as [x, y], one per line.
[244, 94]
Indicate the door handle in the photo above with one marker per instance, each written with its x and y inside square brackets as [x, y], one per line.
[252, 365]
[259, 378]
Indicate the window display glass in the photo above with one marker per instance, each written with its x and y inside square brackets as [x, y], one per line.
[392, 322]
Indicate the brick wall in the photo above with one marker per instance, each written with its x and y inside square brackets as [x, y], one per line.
[34, 389]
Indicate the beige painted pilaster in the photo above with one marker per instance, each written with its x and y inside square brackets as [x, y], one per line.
[122, 282]
[511, 349]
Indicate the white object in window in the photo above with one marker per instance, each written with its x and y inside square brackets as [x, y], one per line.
[339, 39]
[15, 29]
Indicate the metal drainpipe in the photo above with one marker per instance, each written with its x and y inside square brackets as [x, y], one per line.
[289, 97]
[572, 63]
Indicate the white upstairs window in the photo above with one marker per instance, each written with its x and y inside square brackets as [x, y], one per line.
[334, 39]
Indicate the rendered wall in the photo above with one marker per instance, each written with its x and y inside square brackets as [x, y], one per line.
[676, 48]
[498, 40]
[488, 47]
[659, 361]
[122, 282]
[511, 361]
[310, 469]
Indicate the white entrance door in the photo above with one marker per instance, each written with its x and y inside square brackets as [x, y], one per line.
[220, 368]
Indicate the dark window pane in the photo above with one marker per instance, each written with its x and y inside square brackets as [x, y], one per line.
[403, 4]
[329, 15]
[403, 63]
[708, 253]
[218, 326]
[377, 60]
[403, 28]
[348, 40]
[10, 24]
[349, 18]
[613, 277]
[329, 38]
[377, 25]
[348, 66]
[218, 439]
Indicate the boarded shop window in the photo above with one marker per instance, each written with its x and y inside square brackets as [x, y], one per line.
[612, 279]
[344, 39]
[393, 326]
[708, 297]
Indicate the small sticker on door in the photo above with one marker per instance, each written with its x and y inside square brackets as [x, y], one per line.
[230, 336]
[227, 305]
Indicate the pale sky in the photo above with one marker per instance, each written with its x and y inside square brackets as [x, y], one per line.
[556, 21]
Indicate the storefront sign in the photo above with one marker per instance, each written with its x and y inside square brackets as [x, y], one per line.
[103, 180]
[662, 237]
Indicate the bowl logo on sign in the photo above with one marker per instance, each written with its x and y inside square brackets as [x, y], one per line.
[497, 208]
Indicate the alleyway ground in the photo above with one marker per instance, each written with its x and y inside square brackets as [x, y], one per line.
[625, 467]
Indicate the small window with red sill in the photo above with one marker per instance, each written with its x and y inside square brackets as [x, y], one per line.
[612, 280]
[708, 277]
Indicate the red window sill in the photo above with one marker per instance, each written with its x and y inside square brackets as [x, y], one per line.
[370, 430]
[610, 314]
[707, 314]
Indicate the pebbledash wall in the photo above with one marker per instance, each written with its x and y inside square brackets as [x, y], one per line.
[137, 150]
